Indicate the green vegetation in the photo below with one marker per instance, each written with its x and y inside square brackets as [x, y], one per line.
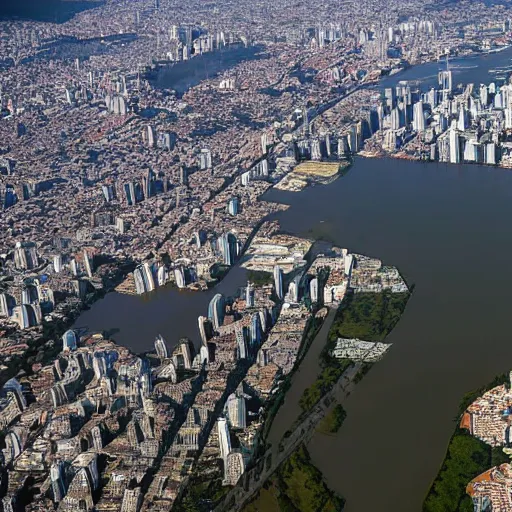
[332, 422]
[260, 277]
[324, 383]
[465, 459]
[297, 486]
[368, 316]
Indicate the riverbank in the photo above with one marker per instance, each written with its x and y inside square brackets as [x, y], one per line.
[45, 343]
[296, 485]
[364, 316]
[466, 458]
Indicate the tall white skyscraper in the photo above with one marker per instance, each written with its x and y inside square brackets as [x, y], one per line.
[454, 147]
[462, 123]
[418, 118]
[224, 439]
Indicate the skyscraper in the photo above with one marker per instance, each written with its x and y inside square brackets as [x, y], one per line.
[228, 246]
[462, 123]
[490, 153]
[205, 159]
[204, 328]
[216, 310]
[236, 411]
[179, 275]
[69, 341]
[224, 438]
[241, 341]
[313, 289]
[418, 117]
[161, 348]
[445, 80]
[143, 276]
[249, 296]
[57, 481]
[255, 331]
[454, 147]
[233, 205]
[278, 281]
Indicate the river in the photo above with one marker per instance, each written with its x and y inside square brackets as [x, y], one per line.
[474, 69]
[134, 321]
[446, 227]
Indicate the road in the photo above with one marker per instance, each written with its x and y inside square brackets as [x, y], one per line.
[252, 480]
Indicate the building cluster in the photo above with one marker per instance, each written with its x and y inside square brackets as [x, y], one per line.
[488, 418]
[470, 124]
[100, 428]
[137, 139]
[358, 350]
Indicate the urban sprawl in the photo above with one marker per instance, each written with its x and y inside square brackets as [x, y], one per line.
[112, 179]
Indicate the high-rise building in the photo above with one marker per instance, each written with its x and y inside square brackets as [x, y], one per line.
[263, 319]
[228, 247]
[69, 341]
[224, 438]
[57, 263]
[216, 310]
[264, 143]
[249, 296]
[183, 176]
[205, 159]
[236, 411]
[143, 277]
[88, 263]
[234, 467]
[445, 81]
[313, 289]
[255, 331]
[353, 139]
[161, 348]
[233, 206]
[462, 122]
[132, 498]
[418, 117]
[150, 136]
[179, 275]
[241, 341]
[278, 282]
[25, 256]
[490, 153]
[161, 275]
[395, 119]
[316, 154]
[454, 147]
[57, 481]
[204, 329]
[4, 305]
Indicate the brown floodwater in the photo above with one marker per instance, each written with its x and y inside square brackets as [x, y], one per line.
[447, 229]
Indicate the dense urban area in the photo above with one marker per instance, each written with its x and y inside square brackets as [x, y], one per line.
[137, 139]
